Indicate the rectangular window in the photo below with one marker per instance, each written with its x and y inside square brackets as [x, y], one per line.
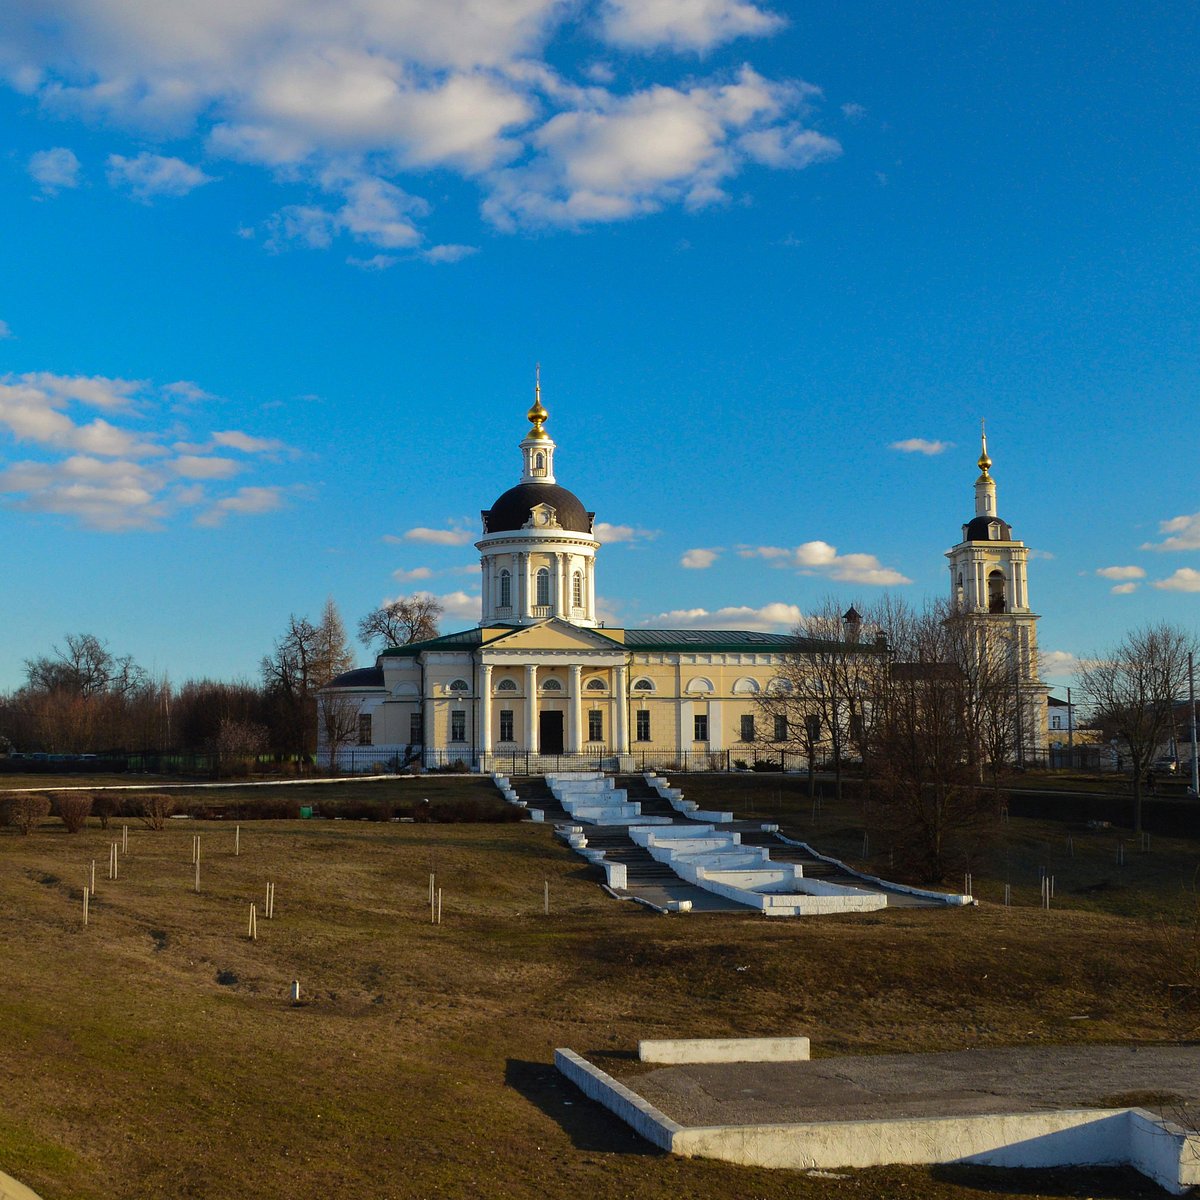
[364, 729]
[506, 725]
[458, 726]
[415, 737]
[700, 720]
[595, 725]
[642, 717]
[747, 728]
[781, 728]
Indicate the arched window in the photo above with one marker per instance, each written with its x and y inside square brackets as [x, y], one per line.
[699, 686]
[460, 685]
[997, 586]
[506, 685]
[543, 586]
[745, 687]
[552, 685]
[643, 685]
[505, 589]
[596, 685]
[539, 461]
[577, 589]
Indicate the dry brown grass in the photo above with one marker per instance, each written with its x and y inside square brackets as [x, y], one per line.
[154, 1054]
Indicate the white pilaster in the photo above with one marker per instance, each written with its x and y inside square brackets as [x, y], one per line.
[485, 709]
[531, 706]
[621, 701]
[574, 733]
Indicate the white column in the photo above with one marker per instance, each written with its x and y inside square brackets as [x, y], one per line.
[589, 568]
[686, 729]
[485, 587]
[621, 700]
[428, 731]
[522, 581]
[531, 706]
[485, 709]
[716, 723]
[559, 599]
[574, 733]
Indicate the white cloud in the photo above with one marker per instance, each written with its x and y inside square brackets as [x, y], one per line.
[5, 331]
[380, 91]
[247, 501]
[1186, 579]
[1184, 534]
[1124, 589]
[684, 24]
[853, 112]
[377, 262]
[699, 559]
[458, 606]
[921, 446]
[439, 537]
[609, 534]
[194, 466]
[113, 496]
[1121, 572]
[820, 558]
[619, 157]
[403, 576]
[235, 439]
[186, 392]
[449, 253]
[150, 175]
[775, 617]
[54, 170]
[110, 474]
[1060, 664]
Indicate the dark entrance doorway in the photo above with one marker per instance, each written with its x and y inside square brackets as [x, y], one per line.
[550, 733]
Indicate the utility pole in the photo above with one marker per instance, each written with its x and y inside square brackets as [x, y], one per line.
[1192, 706]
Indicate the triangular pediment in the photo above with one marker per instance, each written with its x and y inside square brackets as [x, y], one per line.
[553, 634]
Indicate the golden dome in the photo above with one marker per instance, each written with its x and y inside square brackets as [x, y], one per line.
[537, 414]
[985, 463]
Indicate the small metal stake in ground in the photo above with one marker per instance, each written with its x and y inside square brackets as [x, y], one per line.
[197, 876]
[439, 906]
[252, 931]
[295, 991]
[866, 846]
[86, 897]
[967, 884]
[237, 840]
[124, 839]
[269, 907]
[93, 876]
[1070, 846]
[195, 847]
[546, 898]
[112, 861]
[1008, 895]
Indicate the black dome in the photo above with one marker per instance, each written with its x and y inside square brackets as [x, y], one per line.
[512, 510]
[978, 529]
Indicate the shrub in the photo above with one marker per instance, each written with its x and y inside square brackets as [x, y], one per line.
[24, 810]
[74, 808]
[156, 808]
[104, 805]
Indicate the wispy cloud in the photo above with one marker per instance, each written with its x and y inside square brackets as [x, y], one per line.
[777, 616]
[438, 537]
[247, 501]
[610, 534]
[1124, 589]
[5, 331]
[699, 559]
[820, 558]
[686, 25]
[1121, 572]
[149, 176]
[1183, 534]
[1060, 664]
[55, 170]
[403, 576]
[921, 446]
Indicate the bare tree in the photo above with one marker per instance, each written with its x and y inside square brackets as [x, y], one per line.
[401, 622]
[1133, 690]
[236, 745]
[339, 725]
[85, 667]
[930, 807]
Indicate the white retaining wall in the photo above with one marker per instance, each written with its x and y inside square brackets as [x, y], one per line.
[724, 1050]
[1068, 1137]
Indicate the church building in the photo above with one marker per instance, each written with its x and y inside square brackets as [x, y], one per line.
[540, 675]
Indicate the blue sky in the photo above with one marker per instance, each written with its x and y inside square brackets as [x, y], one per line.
[275, 277]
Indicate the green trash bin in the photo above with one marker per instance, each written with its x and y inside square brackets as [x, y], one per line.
[305, 812]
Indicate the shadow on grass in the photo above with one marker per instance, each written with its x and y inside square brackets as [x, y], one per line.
[589, 1125]
[1066, 1181]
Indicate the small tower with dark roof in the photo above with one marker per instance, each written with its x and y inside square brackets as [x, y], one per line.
[538, 552]
[989, 586]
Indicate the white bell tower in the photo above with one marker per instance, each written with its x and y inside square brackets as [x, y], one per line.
[989, 585]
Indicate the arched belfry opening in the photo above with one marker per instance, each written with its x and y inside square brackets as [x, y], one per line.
[997, 592]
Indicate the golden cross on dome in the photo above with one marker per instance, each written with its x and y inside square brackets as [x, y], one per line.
[537, 414]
